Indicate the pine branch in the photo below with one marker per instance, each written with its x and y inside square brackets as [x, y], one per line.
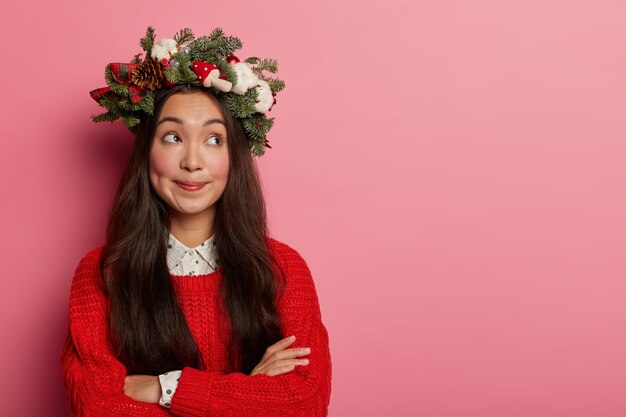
[267, 64]
[120, 90]
[213, 58]
[216, 45]
[257, 126]
[108, 75]
[226, 46]
[242, 105]
[183, 73]
[200, 48]
[216, 33]
[258, 148]
[183, 36]
[125, 105]
[135, 107]
[105, 117]
[136, 59]
[117, 88]
[147, 103]
[147, 41]
[109, 102]
[275, 84]
[225, 67]
[266, 124]
[171, 75]
[130, 121]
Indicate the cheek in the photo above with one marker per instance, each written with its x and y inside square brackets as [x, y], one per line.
[160, 166]
[221, 168]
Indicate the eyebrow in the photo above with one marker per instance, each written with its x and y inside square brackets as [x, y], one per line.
[180, 122]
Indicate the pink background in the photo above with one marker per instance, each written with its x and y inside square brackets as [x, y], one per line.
[452, 171]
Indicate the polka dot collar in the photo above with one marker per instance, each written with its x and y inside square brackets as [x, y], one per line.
[190, 261]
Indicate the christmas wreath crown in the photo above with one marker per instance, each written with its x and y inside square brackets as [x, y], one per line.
[206, 61]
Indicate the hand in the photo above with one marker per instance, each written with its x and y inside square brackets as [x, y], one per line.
[145, 388]
[280, 360]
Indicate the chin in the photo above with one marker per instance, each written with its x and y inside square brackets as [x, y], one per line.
[190, 211]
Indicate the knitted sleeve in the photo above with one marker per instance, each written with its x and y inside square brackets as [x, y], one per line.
[93, 377]
[304, 391]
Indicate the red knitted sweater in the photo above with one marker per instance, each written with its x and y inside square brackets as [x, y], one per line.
[94, 378]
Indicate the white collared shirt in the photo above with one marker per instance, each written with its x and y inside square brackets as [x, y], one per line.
[182, 260]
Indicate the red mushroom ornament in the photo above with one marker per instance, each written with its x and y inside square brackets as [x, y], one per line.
[210, 76]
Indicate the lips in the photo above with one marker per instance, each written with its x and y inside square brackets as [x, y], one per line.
[190, 186]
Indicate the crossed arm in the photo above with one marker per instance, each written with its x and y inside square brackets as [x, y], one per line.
[97, 383]
[277, 360]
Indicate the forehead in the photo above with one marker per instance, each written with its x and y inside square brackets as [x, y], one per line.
[191, 106]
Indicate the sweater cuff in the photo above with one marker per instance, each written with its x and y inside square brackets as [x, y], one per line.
[192, 393]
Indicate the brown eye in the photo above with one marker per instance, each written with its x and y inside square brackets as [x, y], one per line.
[171, 137]
[214, 140]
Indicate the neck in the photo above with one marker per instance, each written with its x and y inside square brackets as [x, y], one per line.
[192, 230]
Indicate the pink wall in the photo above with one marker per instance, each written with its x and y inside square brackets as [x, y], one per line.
[453, 172]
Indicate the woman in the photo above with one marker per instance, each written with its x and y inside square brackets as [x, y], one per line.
[191, 308]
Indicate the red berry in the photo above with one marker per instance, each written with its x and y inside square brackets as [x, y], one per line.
[232, 59]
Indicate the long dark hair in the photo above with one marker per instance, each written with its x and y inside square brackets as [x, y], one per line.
[148, 329]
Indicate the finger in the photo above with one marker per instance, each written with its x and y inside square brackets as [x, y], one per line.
[280, 345]
[286, 366]
[286, 363]
[283, 354]
[279, 371]
[291, 353]
[289, 362]
[291, 356]
[276, 367]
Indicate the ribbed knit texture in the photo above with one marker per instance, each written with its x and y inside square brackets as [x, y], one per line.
[94, 378]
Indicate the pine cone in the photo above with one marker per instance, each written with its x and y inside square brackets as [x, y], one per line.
[149, 74]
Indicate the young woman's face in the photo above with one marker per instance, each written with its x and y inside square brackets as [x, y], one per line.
[189, 160]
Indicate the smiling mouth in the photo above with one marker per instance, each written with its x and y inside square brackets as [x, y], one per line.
[190, 186]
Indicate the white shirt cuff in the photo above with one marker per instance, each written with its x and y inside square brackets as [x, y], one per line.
[169, 382]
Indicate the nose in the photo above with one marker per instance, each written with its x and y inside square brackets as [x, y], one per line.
[192, 160]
